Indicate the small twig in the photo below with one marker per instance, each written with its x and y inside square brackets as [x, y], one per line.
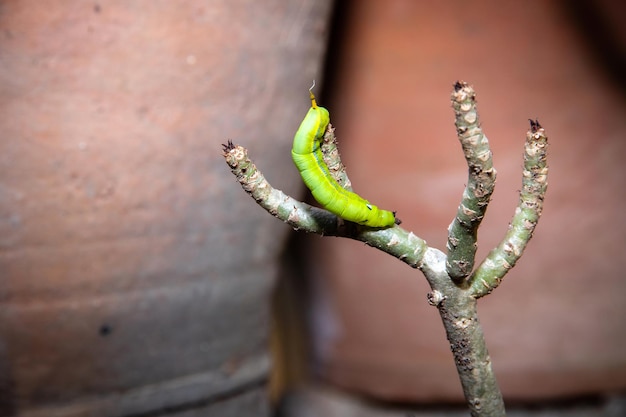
[463, 230]
[299, 215]
[395, 241]
[534, 185]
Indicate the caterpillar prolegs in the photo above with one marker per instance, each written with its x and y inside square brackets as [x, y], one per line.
[307, 155]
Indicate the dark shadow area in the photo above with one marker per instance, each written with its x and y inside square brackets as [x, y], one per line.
[7, 384]
[293, 361]
[601, 35]
[336, 44]
[290, 338]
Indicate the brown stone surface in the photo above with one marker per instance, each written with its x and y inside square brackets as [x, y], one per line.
[555, 326]
[134, 270]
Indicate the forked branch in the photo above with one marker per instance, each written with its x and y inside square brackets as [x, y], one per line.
[455, 288]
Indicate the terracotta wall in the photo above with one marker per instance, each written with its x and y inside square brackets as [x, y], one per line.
[134, 272]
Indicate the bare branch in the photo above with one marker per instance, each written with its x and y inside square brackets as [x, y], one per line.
[471, 357]
[395, 241]
[534, 184]
[463, 230]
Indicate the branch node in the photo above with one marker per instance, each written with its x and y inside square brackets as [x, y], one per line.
[435, 298]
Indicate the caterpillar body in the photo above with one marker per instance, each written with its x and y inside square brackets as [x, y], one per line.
[307, 155]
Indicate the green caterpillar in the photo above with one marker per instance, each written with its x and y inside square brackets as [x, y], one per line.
[307, 155]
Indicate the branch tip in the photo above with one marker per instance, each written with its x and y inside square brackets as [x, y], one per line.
[229, 146]
[534, 125]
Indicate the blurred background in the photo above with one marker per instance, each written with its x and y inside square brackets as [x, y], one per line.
[138, 279]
